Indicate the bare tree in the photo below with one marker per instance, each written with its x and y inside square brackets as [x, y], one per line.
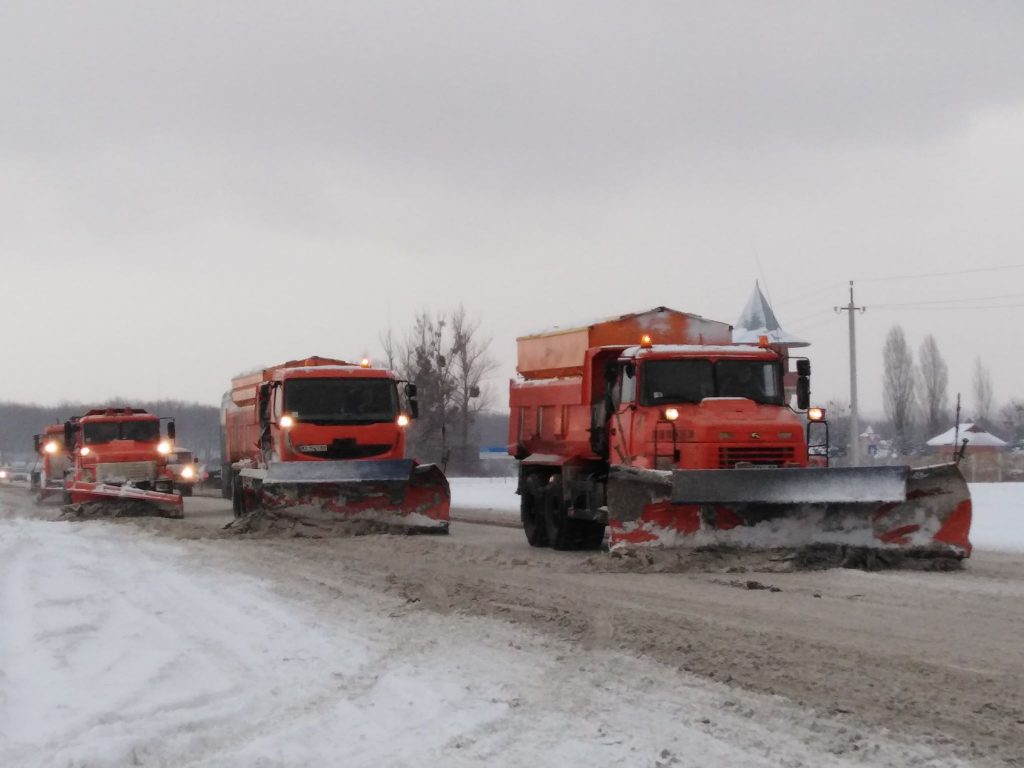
[934, 381]
[898, 384]
[1012, 417]
[983, 394]
[445, 355]
[472, 364]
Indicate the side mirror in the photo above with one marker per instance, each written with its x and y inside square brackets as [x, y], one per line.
[630, 370]
[414, 408]
[803, 367]
[170, 430]
[611, 373]
[410, 390]
[803, 393]
[69, 436]
[35, 443]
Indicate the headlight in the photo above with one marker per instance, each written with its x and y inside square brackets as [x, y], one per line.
[403, 420]
[84, 450]
[815, 414]
[50, 447]
[164, 447]
[286, 422]
[671, 414]
[3, 474]
[188, 473]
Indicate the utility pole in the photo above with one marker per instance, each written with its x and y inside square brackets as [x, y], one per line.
[853, 309]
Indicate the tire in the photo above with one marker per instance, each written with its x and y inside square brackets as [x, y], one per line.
[237, 496]
[531, 511]
[564, 532]
[591, 535]
[559, 526]
[225, 481]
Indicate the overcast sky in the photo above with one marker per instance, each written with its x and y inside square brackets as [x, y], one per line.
[189, 189]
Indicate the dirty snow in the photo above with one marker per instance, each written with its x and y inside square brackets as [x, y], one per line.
[998, 521]
[119, 648]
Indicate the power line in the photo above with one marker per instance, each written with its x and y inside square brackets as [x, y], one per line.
[918, 307]
[920, 275]
[963, 300]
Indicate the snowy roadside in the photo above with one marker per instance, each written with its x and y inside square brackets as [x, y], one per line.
[998, 521]
[121, 648]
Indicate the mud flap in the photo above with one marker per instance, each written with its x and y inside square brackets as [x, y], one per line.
[325, 497]
[94, 500]
[922, 512]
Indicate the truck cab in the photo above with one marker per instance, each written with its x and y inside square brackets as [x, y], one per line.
[700, 407]
[54, 461]
[121, 446]
[317, 410]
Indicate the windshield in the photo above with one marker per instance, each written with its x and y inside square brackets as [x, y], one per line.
[690, 381]
[341, 401]
[105, 431]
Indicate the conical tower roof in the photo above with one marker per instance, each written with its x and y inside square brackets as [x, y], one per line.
[758, 319]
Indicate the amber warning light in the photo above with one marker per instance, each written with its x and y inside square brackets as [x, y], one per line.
[645, 341]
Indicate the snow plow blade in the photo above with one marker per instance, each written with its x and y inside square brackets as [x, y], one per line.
[923, 512]
[394, 495]
[105, 500]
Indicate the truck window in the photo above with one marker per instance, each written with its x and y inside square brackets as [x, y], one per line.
[341, 401]
[758, 380]
[103, 432]
[628, 394]
[676, 381]
[143, 431]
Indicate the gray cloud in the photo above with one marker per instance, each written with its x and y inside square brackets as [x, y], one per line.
[283, 179]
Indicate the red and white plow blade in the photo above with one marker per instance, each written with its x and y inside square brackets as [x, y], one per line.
[925, 511]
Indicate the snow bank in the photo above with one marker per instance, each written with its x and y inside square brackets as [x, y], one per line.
[497, 494]
[998, 519]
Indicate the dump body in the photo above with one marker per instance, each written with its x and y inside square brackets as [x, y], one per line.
[121, 456]
[326, 435]
[632, 430]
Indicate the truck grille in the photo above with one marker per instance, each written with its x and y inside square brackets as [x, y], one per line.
[761, 455]
[122, 471]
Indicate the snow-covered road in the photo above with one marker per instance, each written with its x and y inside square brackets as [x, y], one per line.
[119, 647]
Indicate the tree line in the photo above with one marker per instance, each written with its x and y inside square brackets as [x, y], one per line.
[443, 352]
[917, 398]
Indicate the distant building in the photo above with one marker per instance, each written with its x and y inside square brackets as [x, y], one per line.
[978, 440]
[757, 320]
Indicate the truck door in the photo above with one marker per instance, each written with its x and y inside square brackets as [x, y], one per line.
[624, 419]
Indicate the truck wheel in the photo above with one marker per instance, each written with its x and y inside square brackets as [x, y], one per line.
[531, 511]
[559, 527]
[237, 496]
[225, 481]
[591, 535]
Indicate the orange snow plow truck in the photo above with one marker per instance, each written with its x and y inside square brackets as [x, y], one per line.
[120, 464]
[657, 426]
[321, 442]
[53, 462]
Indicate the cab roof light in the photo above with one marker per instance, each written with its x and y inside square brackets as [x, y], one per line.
[646, 342]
